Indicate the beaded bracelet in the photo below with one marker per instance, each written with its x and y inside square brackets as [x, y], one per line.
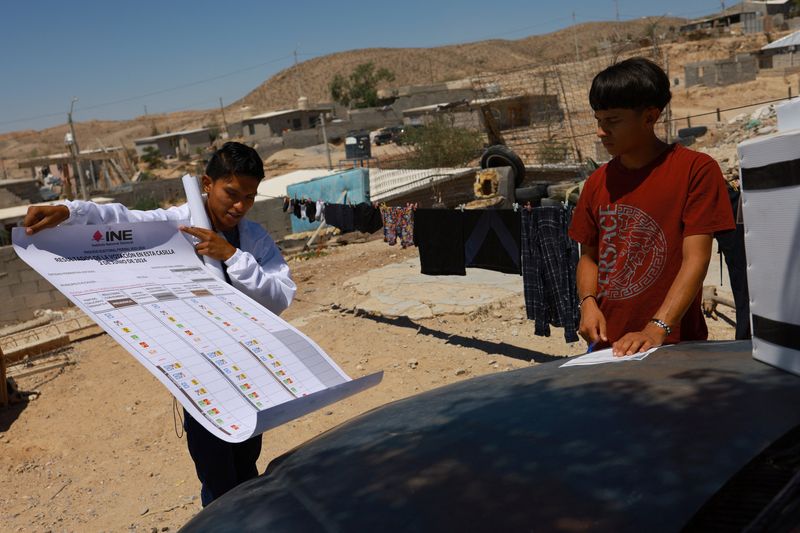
[663, 325]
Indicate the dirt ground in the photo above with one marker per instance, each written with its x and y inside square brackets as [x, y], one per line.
[80, 458]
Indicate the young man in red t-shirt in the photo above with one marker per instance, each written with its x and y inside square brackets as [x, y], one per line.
[645, 220]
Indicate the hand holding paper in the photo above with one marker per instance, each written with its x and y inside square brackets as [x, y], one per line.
[210, 245]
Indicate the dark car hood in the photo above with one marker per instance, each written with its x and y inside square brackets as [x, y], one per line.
[634, 446]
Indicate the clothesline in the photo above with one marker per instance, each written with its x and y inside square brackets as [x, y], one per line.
[531, 242]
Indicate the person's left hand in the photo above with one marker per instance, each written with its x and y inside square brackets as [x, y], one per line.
[211, 244]
[639, 341]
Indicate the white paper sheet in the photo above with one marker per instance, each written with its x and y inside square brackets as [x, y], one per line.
[237, 368]
[606, 356]
[200, 218]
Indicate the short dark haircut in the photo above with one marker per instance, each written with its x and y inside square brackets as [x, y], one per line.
[635, 83]
[235, 159]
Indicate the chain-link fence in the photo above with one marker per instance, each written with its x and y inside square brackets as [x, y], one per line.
[542, 112]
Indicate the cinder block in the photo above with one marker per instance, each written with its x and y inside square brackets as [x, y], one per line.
[24, 314]
[8, 316]
[44, 286]
[11, 278]
[38, 301]
[23, 289]
[29, 275]
[58, 300]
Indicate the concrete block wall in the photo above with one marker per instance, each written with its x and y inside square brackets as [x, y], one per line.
[785, 60]
[721, 72]
[23, 290]
[270, 215]
[169, 190]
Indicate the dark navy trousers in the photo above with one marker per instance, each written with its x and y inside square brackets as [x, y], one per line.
[220, 465]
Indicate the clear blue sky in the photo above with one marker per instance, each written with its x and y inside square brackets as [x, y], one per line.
[171, 55]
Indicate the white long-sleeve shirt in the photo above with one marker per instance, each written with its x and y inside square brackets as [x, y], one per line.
[257, 268]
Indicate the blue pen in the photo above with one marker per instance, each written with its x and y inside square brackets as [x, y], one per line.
[591, 347]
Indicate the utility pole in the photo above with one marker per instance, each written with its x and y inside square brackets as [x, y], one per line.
[325, 140]
[73, 143]
[224, 122]
[616, 8]
[575, 35]
[3, 162]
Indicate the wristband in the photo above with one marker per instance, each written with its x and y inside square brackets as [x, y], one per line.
[586, 298]
[663, 325]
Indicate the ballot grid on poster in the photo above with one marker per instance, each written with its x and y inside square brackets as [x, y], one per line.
[211, 346]
[225, 357]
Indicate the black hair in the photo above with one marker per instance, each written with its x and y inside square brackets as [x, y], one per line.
[636, 83]
[235, 159]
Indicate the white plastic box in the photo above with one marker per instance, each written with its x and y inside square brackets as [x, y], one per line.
[770, 178]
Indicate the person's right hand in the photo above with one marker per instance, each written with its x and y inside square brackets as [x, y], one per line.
[593, 323]
[40, 217]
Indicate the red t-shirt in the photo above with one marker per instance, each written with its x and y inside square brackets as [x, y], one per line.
[639, 218]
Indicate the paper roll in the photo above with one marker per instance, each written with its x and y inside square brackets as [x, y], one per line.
[200, 219]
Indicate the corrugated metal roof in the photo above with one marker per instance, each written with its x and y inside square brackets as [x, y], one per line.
[792, 39]
[383, 184]
[459, 103]
[171, 134]
[388, 184]
[271, 114]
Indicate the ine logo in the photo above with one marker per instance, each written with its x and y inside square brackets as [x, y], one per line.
[123, 235]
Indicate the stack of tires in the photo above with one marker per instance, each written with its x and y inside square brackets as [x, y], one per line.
[538, 193]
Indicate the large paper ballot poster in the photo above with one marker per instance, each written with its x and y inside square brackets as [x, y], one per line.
[237, 368]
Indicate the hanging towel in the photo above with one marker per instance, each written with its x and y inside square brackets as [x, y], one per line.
[439, 235]
[492, 240]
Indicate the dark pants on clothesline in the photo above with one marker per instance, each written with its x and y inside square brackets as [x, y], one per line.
[731, 245]
[220, 465]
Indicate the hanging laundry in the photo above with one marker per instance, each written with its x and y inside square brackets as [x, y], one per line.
[388, 215]
[296, 208]
[549, 263]
[286, 203]
[340, 216]
[492, 240]
[439, 235]
[320, 210]
[398, 222]
[303, 215]
[406, 226]
[367, 218]
[311, 210]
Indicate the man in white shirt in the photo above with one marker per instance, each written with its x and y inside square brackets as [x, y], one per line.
[250, 260]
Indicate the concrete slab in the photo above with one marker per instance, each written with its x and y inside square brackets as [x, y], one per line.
[400, 290]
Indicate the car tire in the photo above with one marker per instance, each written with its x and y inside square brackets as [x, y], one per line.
[696, 131]
[502, 156]
[532, 193]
